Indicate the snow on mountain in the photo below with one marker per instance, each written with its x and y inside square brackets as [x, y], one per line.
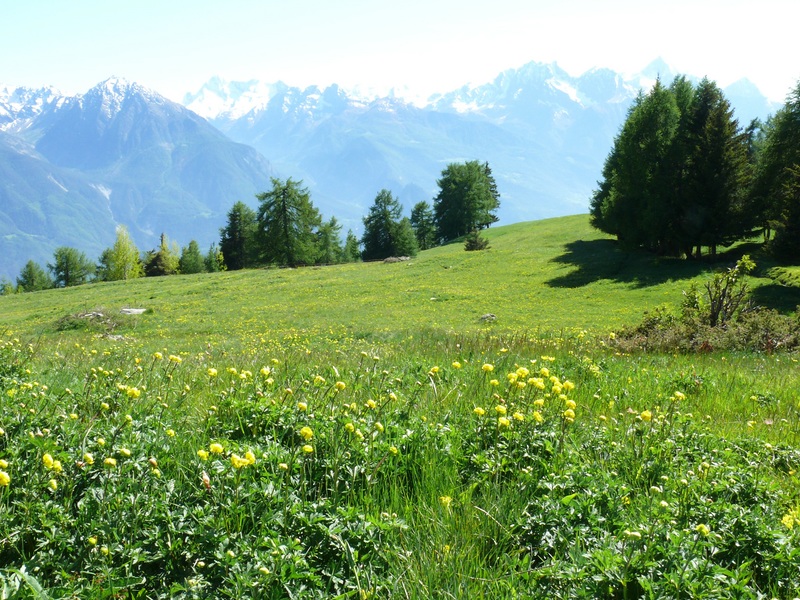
[19, 105]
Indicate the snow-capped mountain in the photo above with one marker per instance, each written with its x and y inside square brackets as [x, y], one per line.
[19, 105]
[127, 155]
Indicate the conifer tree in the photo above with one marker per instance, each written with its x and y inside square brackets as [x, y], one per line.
[288, 225]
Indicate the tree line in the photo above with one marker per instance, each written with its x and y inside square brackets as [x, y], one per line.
[683, 175]
[287, 230]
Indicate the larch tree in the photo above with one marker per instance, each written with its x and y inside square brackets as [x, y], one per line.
[288, 224]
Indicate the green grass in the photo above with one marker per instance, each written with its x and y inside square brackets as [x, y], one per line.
[430, 471]
[549, 276]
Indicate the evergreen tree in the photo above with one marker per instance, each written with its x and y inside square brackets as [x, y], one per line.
[238, 242]
[352, 248]
[329, 242]
[214, 261]
[773, 196]
[713, 213]
[33, 278]
[70, 267]
[467, 200]
[121, 261]
[164, 260]
[386, 233]
[424, 227]
[287, 225]
[191, 260]
[405, 240]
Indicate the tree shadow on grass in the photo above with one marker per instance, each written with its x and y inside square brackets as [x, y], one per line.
[596, 260]
[784, 299]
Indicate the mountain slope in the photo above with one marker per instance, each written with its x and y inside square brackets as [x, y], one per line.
[152, 164]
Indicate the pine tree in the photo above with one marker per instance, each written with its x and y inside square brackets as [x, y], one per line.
[70, 267]
[287, 225]
[329, 243]
[191, 260]
[164, 260]
[238, 242]
[352, 248]
[214, 261]
[33, 278]
[467, 200]
[424, 227]
[386, 232]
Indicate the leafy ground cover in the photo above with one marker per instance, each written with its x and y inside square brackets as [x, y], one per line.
[265, 435]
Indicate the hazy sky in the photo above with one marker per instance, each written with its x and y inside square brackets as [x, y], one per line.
[427, 46]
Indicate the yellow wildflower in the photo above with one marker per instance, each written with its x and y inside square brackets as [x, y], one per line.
[216, 448]
[479, 411]
[250, 457]
[212, 372]
[456, 364]
[500, 409]
[175, 359]
[703, 529]
[5, 479]
[494, 382]
[238, 462]
[537, 416]
[125, 452]
[487, 368]
[308, 449]
[133, 392]
[47, 459]
[445, 501]
[570, 404]
[646, 415]
[503, 422]
[379, 426]
[340, 385]
[371, 403]
[3, 463]
[110, 462]
[203, 454]
[569, 415]
[52, 484]
[158, 355]
[518, 416]
[306, 433]
[302, 406]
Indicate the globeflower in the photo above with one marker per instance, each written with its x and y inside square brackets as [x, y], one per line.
[456, 364]
[479, 411]
[646, 415]
[340, 385]
[308, 449]
[203, 454]
[238, 462]
[302, 406]
[569, 415]
[306, 433]
[110, 462]
[216, 448]
[88, 458]
[47, 459]
[503, 422]
[518, 416]
[52, 484]
[487, 368]
[5, 479]
[500, 409]
[175, 359]
[703, 529]
[212, 372]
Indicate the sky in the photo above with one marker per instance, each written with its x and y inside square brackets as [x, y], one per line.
[417, 47]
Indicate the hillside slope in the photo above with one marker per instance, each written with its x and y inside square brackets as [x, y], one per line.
[551, 276]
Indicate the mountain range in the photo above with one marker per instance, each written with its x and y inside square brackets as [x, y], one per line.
[74, 167]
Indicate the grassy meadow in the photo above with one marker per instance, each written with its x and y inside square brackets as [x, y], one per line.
[360, 431]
